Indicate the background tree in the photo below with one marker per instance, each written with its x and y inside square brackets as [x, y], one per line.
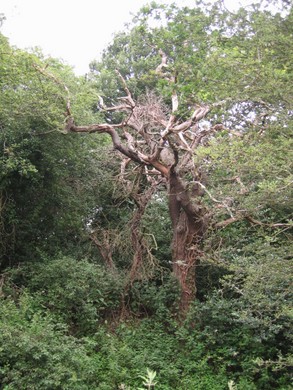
[41, 169]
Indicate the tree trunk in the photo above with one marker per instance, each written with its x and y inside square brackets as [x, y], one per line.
[188, 223]
[103, 243]
[141, 253]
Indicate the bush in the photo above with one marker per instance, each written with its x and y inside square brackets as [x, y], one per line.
[79, 293]
[156, 297]
[36, 353]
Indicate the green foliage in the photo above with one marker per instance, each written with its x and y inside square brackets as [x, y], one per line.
[252, 173]
[249, 314]
[46, 178]
[160, 231]
[157, 347]
[218, 56]
[155, 297]
[210, 350]
[79, 293]
[36, 353]
[237, 331]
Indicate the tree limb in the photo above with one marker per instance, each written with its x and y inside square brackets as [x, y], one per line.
[128, 98]
[241, 217]
[47, 74]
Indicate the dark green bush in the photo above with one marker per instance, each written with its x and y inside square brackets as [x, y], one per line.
[158, 296]
[36, 353]
[78, 292]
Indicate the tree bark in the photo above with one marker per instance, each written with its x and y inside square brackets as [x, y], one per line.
[188, 223]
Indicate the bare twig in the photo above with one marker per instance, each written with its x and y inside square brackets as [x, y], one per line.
[241, 216]
[45, 73]
[215, 200]
[128, 98]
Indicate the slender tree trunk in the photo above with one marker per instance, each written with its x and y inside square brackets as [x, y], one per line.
[141, 253]
[105, 247]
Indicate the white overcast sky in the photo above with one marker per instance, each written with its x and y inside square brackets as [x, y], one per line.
[75, 30]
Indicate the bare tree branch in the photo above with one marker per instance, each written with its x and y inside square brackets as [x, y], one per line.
[242, 216]
[224, 204]
[129, 97]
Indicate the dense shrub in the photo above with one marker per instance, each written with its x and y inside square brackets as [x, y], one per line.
[79, 293]
[36, 353]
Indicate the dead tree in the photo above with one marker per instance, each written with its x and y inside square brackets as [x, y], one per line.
[153, 137]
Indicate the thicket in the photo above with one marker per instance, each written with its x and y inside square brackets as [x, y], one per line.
[69, 316]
